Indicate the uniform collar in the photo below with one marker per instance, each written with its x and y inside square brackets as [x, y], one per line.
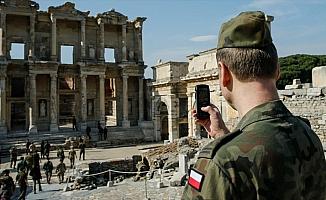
[269, 110]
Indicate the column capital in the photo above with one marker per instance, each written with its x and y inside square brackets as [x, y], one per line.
[53, 18]
[32, 76]
[83, 76]
[54, 76]
[102, 76]
[125, 76]
[83, 22]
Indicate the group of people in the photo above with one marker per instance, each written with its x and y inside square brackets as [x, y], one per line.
[30, 165]
[102, 132]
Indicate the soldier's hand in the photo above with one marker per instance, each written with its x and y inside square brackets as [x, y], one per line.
[214, 125]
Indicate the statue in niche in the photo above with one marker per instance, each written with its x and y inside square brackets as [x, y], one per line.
[42, 107]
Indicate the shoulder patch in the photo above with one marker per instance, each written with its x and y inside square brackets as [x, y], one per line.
[196, 179]
[210, 150]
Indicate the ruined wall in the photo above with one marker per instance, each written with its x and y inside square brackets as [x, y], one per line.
[302, 102]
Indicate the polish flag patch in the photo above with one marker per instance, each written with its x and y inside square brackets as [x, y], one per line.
[196, 179]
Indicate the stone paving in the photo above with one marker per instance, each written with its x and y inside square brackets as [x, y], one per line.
[127, 189]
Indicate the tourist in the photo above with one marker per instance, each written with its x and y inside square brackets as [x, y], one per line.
[61, 153]
[88, 132]
[100, 131]
[82, 147]
[47, 148]
[72, 156]
[271, 154]
[42, 149]
[7, 185]
[105, 133]
[74, 124]
[36, 171]
[13, 157]
[21, 179]
[60, 170]
[48, 168]
[28, 143]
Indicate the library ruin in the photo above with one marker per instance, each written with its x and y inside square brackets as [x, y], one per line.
[63, 63]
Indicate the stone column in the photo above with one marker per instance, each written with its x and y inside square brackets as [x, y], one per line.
[54, 38]
[140, 44]
[83, 38]
[53, 104]
[125, 121]
[124, 42]
[3, 105]
[190, 118]
[173, 117]
[141, 99]
[3, 41]
[32, 37]
[102, 42]
[32, 104]
[83, 91]
[102, 100]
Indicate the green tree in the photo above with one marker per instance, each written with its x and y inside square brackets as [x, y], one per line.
[298, 66]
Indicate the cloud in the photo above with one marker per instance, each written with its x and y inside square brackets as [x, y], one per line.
[203, 38]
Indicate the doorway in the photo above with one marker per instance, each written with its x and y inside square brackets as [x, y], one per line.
[164, 122]
[18, 116]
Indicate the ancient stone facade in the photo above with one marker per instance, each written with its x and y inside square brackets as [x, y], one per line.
[174, 88]
[41, 92]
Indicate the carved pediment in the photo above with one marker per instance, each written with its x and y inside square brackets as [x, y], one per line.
[113, 17]
[20, 4]
[69, 9]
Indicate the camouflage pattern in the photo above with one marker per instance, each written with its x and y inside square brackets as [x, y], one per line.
[271, 155]
[247, 30]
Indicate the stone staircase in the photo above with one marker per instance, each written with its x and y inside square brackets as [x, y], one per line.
[119, 136]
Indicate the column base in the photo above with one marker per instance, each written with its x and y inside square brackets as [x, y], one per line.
[3, 130]
[83, 126]
[32, 129]
[125, 123]
[54, 58]
[54, 128]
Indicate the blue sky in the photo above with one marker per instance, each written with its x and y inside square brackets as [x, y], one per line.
[177, 28]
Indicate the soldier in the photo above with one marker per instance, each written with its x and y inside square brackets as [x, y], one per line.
[28, 143]
[61, 153]
[29, 161]
[47, 148]
[42, 149]
[21, 179]
[36, 171]
[72, 156]
[13, 157]
[22, 165]
[82, 149]
[271, 154]
[60, 170]
[48, 167]
[7, 185]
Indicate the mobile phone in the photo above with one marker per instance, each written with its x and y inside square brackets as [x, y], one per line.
[202, 100]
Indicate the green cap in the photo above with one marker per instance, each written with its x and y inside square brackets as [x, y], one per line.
[247, 30]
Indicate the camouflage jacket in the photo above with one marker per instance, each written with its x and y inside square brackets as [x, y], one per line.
[271, 155]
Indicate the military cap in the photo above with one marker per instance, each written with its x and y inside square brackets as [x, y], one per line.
[247, 30]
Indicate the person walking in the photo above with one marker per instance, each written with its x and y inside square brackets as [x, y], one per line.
[22, 164]
[61, 153]
[72, 156]
[21, 179]
[7, 185]
[74, 123]
[82, 147]
[48, 168]
[60, 170]
[271, 154]
[28, 143]
[88, 132]
[13, 157]
[105, 133]
[36, 172]
[47, 148]
[42, 149]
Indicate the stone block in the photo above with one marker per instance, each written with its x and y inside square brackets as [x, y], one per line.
[159, 185]
[301, 92]
[318, 76]
[307, 85]
[323, 117]
[321, 122]
[178, 179]
[296, 82]
[286, 92]
[314, 91]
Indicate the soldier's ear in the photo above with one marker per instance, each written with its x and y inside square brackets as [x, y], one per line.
[225, 74]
